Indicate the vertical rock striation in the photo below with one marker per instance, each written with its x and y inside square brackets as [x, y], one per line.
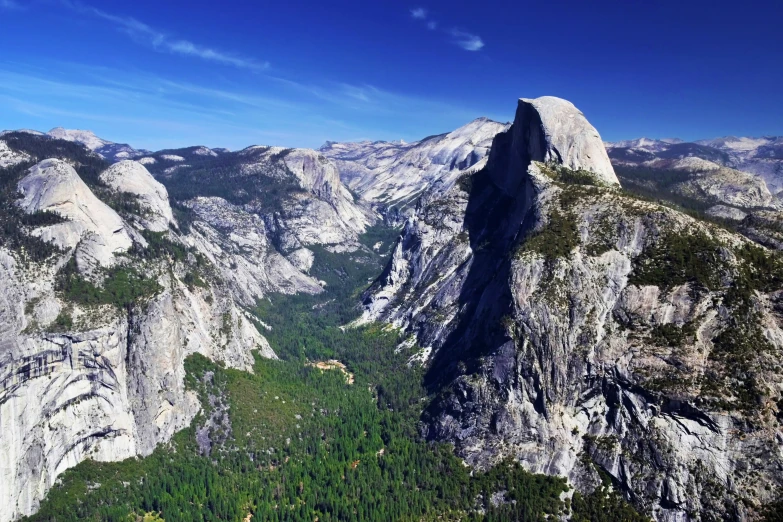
[100, 381]
[561, 326]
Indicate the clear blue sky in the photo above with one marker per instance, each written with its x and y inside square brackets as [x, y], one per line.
[168, 73]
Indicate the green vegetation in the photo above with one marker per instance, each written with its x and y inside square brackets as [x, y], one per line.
[183, 215]
[773, 512]
[567, 176]
[557, 239]
[295, 442]
[63, 322]
[15, 225]
[732, 380]
[42, 218]
[305, 444]
[603, 505]
[675, 259]
[465, 182]
[125, 204]
[88, 165]
[122, 287]
[657, 185]
[266, 185]
[560, 236]
[737, 349]
[672, 335]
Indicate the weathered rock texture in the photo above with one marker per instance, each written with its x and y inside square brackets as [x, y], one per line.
[110, 385]
[132, 178]
[91, 225]
[296, 192]
[548, 337]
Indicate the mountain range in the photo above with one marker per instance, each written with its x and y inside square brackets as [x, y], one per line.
[609, 314]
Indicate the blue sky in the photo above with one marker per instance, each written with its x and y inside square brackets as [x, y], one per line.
[170, 73]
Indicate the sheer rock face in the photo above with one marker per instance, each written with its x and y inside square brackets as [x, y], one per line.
[541, 345]
[53, 185]
[550, 129]
[107, 391]
[110, 386]
[132, 178]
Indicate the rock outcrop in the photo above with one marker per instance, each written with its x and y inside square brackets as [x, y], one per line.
[237, 244]
[104, 148]
[90, 224]
[9, 157]
[562, 324]
[80, 379]
[131, 177]
[553, 130]
[297, 192]
[760, 157]
[86, 373]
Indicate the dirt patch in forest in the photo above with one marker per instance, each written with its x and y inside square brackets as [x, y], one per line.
[333, 364]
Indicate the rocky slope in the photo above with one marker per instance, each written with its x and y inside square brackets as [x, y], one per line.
[296, 192]
[761, 157]
[580, 329]
[716, 178]
[89, 226]
[109, 293]
[395, 173]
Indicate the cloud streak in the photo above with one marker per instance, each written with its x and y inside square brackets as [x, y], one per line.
[9, 4]
[419, 13]
[468, 41]
[465, 40]
[155, 112]
[161, 42]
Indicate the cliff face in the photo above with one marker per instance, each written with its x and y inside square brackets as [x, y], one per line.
[576, 328]
[85, 370]
[109, 279]
[296, 192]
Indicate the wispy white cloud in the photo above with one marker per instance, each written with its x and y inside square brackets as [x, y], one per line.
[419, 13]
[9, 4]
[463, 39]
[468, 41]
[154, 112]
[160, 41]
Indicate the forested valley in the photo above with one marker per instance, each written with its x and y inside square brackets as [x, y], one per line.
[294, 441]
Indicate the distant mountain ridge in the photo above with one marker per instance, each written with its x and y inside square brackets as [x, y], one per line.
[761, 156]
[394, 174]
[569, 310]
[106, 149]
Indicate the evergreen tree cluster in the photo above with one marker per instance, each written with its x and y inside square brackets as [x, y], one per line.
[300, 443]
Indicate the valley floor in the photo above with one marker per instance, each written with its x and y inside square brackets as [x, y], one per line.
[293, 442]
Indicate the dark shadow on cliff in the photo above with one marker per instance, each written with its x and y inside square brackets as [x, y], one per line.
[499, 215]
